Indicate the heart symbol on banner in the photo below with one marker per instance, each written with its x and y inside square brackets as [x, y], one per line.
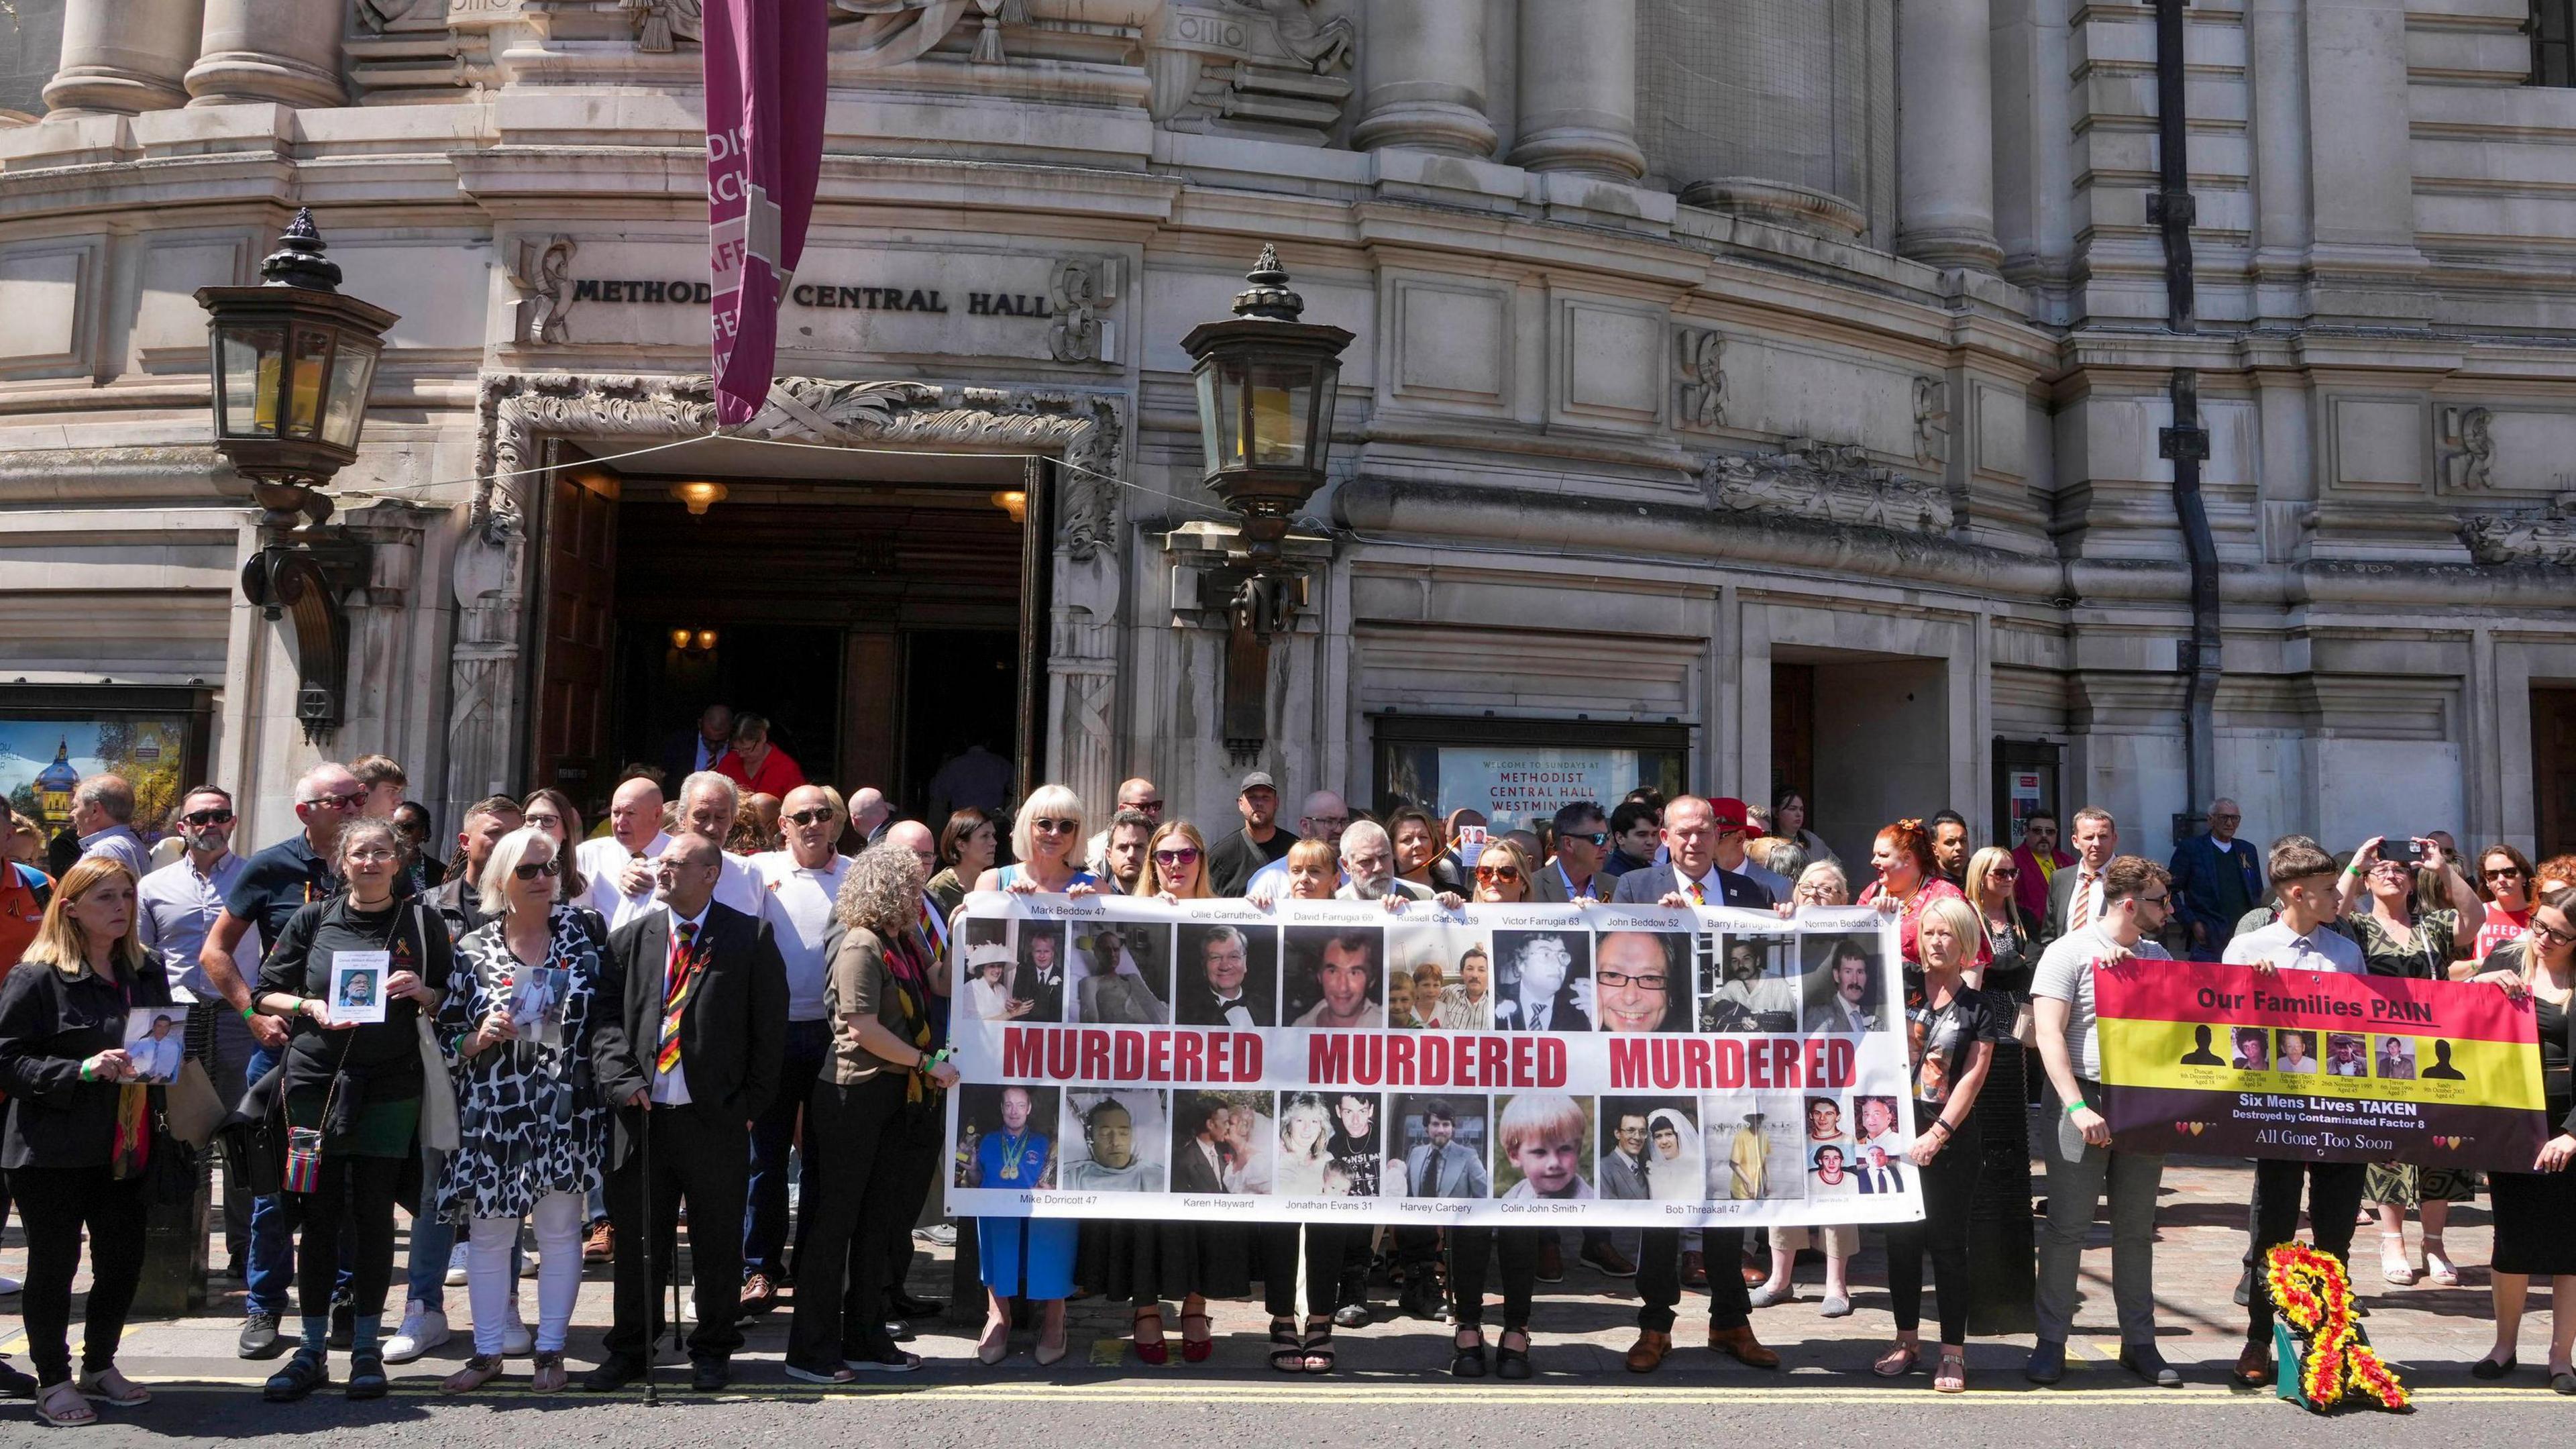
[2199, 1127]
[2182, 1129]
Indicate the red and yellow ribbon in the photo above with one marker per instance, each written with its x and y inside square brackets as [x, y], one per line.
[2314, 1293]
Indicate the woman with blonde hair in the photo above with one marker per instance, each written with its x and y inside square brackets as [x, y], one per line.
[1175, 864]
[79, 1135]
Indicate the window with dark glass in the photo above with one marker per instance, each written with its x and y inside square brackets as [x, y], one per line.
[2553, 42]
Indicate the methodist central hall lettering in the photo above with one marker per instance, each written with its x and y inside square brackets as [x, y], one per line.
[820, 295]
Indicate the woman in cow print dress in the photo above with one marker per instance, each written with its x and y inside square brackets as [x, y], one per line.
[516, 1028]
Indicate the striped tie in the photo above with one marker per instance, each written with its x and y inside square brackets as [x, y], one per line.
[2079, 912]
[1699, 897]
[934, 929]
[677, 979]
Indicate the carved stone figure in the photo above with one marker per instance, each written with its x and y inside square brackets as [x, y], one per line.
[2546, 540]
[1829, 483]
[1255, 67]
[659, 22]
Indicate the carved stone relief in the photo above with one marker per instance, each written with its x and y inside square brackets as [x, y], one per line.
[2547, 540]
[1082, 289]
[1265, 67]
[659, 23]
[1931, 422]
[539, 266]
[2468, 448]
[1828, 483]
[1699, 386]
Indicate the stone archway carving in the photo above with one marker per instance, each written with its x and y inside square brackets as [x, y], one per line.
[1084, 431]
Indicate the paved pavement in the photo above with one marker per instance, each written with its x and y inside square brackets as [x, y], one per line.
[1390, 1384]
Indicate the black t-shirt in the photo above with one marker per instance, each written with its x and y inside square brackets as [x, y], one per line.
[1231, 861]
[279, 881]
[1939, 1041]
[387, 1053]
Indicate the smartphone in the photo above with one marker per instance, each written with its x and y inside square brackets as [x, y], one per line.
[1471, 844]
[2405, 851]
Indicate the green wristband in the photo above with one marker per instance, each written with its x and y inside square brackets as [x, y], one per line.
[250, 1012]
[2075, 1106]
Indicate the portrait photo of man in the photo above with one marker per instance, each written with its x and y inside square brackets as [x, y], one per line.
[2441, 1069]
[1334, 975]
[1750, 985]
[1829, 1173]
[1116, 1133]
[2253, 1049]
[1640, 981]
[1227, 975]
[1039, 981]
[1842, 987]
[156, 1044]
[1543, 981]
[1622, 1173]
[1126, 973]
[2347, 1054]
[2297, 1053]
[1877, 1121]
[1220, 1144]
[1878, 1172]
[2395, 1059]
[1825, 1123]
[1444, 1148]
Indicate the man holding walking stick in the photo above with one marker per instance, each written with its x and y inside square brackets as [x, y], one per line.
[690, 1058]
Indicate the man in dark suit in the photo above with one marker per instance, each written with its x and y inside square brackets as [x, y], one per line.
[1535, 990]
[1582, 845]
[1198, 1162]
[694, 750]
[2216, 880]
[1692, 829]
[1442, 1166]
[1879, 1174]
[691, 1055]
[2096, 840]
[1218, 988]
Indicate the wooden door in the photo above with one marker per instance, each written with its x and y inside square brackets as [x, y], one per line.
[2553, 769]
[1793, 735]
[570, 747]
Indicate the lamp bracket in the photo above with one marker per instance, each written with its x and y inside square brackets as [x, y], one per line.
[302, 579]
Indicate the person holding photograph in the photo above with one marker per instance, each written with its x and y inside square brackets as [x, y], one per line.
[1143, 1261]
[1951, 1031]
[1541, 1134]
[157, 1053]
[2533, 1209]
[356, 1089]
[71, 1166]
[531, 1133]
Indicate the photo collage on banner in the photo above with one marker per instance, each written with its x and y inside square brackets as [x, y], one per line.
[1313, 1060]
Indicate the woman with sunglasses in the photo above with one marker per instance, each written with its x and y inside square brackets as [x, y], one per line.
[1144, 1262]
[553, 812]
[1031, 1257]
[352, 1092]
[70, 1160]
[2533, 1209]
[2409, 927]
[515, 1027]
[1502, 875]
[2504, 883]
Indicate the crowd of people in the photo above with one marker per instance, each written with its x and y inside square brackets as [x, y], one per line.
[572, 1041]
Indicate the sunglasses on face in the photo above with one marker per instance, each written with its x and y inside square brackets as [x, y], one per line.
[532, 869]
[1186, 855]
[1055, 827]
[2005, 872]
[1498, 872]
[1589, 837]
[209, 817]
[339, 802]
[810, 817]
[2508, 872]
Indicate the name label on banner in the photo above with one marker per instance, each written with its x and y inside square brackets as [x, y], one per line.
[2318, 1065]
[1340, 1061]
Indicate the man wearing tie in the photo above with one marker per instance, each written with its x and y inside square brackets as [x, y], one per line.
[1623, 1167]
[1877, 1174]
[1224, 993]
[690, 1054]
[1441, 1166]
[2075, 896]
[1693, 828]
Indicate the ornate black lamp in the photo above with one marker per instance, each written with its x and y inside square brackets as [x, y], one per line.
[292, 364]
[1265, 393]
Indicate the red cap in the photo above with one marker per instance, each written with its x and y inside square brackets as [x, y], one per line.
[1729, 813]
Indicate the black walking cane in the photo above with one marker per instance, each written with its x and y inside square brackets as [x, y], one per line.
[652, 1284]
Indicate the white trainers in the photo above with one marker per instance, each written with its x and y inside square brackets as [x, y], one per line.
[423, 1328]
[528, 1264]
[516, 1341]
[456, 1266]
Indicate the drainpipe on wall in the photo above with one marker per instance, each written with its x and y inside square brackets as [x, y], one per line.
[2171, 208]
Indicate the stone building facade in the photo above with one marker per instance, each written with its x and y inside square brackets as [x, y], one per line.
[1745, 395]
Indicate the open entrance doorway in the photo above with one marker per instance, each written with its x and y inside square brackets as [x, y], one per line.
[881, 625]
[1864, 738]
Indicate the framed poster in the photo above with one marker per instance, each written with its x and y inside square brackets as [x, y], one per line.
[51, 737]
[1515, 772]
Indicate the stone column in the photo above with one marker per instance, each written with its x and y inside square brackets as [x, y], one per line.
[1578, 88]
[1424, 87]
[124, 56]
[2362, 259]
[281, 51]
[1945, 127]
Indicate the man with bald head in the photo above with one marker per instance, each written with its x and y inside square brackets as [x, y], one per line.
[274, 884]
[1696, 832]
[1139, 795]
[869, 814]
[1324, 818]
[620, 864]
[802, 880]
[689, 1047]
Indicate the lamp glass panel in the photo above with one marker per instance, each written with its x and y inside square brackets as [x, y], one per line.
[250, 357]
[1328, 377]
[306, 370]
[1212, 425]
[1282, 401]
[344, 409]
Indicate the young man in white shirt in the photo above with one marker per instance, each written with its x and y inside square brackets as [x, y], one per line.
[2301, 938]
[803, 881]
[2137, 895]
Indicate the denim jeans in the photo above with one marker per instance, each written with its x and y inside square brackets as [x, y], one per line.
[773, 1138]
[272, 1230]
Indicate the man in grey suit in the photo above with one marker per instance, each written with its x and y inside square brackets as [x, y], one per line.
[1692, 829]
[1582, 844]
[2096, 840]
[1443, 1166]
[1623, 1167]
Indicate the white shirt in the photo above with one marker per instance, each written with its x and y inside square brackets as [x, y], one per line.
[671, 1088]
[602, 861]
[175, 907]
[800, 903]
[741, 887]
[2323, 949]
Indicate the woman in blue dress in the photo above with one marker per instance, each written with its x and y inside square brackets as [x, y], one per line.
[1029, 1257]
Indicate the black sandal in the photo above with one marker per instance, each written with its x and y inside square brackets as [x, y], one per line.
[1466, 1360]
[1319, 1347]
[302, 1375]
[367, 1376]
[1287, 1350]
[1510, 1362]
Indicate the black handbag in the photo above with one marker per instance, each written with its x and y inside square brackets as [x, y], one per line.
[253, 1136]
[170, 1172]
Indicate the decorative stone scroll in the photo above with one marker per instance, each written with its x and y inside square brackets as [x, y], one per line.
[1085, 432]
[1699, 378]
[1931, 421]
[538, 267]
[1829, 483]
[2468, 449]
